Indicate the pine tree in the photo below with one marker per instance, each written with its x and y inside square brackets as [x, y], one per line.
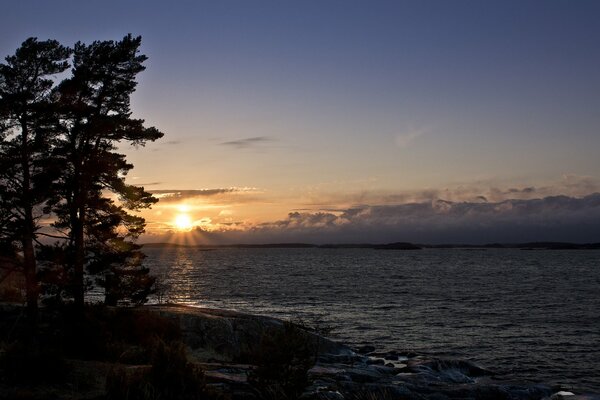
[28, 127]
[91, 195]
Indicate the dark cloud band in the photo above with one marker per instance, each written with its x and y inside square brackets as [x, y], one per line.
[248, 142]
[554, 218]
[175, 195]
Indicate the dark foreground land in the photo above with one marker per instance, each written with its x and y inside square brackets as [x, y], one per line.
[177, 352]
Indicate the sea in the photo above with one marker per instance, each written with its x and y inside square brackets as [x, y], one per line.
[533, 316]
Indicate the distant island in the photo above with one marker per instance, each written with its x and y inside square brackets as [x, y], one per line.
[389, 246]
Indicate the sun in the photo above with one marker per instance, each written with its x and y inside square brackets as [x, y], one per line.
[183, 222]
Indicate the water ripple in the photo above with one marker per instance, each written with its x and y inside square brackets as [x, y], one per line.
[533, 314]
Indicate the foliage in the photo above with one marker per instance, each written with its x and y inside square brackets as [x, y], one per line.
[171, 376]
[123, 335]
[28, 127]
[95, 109]
[59, 160]
[118, 265]
[283, 358]
[11, 277]
[149, 357]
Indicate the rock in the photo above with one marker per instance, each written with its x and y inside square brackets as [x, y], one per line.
[385, 370]
[466, 368]
[561, 394]
[362, 375]
[365, 349]
[223, 335]
[339, 373]
[319, 370]
[328, 358]
[321, 394]
[226, 377]
[564, 395]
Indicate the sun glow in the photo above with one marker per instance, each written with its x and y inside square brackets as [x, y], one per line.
[183, 222]
[183, 208]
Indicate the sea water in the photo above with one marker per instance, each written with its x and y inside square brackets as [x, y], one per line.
[528, 315]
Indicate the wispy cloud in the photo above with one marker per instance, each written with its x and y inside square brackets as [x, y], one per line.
[404, 139]
[177, 194]
[248, 142]
[148, 184]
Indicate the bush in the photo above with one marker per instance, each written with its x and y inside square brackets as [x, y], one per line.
[12, 285]
[283, 358]
[170, 376]
[122, 334]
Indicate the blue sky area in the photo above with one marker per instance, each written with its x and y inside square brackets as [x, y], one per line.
[321, 107]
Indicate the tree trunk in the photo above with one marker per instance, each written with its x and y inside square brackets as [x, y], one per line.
[79, 261]
[29, 261]
[30, 272]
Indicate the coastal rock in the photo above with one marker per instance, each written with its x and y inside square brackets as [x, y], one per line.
[329, 358]
[449, 367]
[339, 373]
[564, 395]
[222, 335]
[365, 349]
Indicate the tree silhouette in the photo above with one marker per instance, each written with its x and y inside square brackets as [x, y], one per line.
[58, 156]
[28, 127]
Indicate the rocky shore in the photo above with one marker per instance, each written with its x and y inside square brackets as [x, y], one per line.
[229, 348]
[218, 340]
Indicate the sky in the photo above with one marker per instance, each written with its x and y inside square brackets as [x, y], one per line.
[356, 121]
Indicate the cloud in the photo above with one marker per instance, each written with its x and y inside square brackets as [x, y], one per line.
[553, 218]
[167, 195]
[528, 190]
[306, 220]
[248, 142]
[476, 192]
[402, 140]
[148, 184]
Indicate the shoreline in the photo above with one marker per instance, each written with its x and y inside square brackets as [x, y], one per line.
[226, 345]
[341, 368]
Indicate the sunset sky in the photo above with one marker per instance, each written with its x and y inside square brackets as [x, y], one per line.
[356, 121]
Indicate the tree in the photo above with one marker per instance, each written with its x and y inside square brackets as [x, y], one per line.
[95, 116]
[28, 126]
[59, 157]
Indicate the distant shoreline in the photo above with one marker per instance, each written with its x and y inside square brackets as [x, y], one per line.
[389, 246]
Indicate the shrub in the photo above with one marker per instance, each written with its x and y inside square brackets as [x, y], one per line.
[283, 358]
[170, 376]
[122, 334]
[12, 285]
